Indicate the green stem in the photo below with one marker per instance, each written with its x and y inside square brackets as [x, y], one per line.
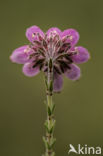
[49, 139]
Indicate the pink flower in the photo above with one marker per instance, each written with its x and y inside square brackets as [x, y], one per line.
[55, 45]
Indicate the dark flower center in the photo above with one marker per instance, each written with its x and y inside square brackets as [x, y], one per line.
[53, 48]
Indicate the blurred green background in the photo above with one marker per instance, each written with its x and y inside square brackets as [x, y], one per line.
[79, 108]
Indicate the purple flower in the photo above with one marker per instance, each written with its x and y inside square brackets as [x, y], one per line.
[54, 45]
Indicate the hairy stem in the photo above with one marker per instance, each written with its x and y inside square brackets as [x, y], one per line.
[49, 140]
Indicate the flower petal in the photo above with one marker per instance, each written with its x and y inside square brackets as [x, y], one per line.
[29, 71]
[81, 56]
[74, 36]
[73, 73]
[32, 33]
[58, 82]
[20, 55]
[54, 30]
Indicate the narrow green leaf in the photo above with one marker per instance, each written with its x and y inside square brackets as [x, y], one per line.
[53, 107]
[51, 86]
[52, 142]
[49, 111]
[45, 142]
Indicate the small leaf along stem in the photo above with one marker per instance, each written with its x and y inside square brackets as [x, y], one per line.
[49, 139]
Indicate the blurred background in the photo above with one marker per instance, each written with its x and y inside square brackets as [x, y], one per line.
[79, 108]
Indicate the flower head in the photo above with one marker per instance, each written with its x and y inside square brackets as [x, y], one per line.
[54, 47]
